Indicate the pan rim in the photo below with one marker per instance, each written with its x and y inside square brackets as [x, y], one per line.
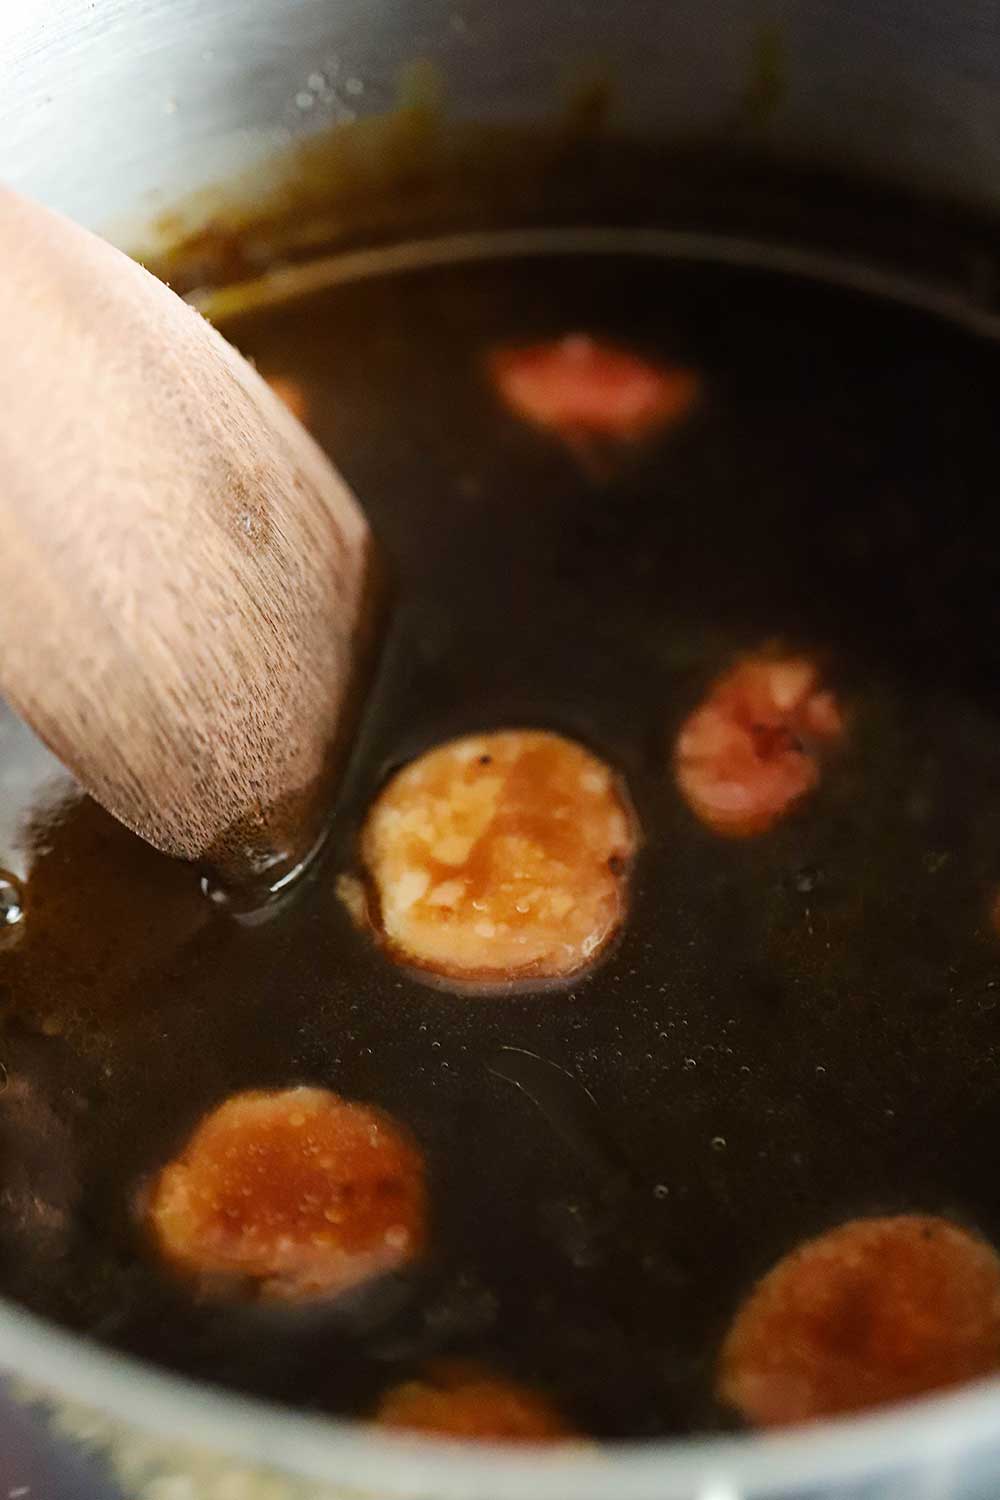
[932, 1434]
[948, 299]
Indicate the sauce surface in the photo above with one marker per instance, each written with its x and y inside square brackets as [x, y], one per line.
[794, 1029]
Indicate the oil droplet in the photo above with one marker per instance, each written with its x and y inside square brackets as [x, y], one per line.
[689, 1063]
[718, 1143]
[661, 1190]
[11, 901]
[820, 1070]
[806, 879]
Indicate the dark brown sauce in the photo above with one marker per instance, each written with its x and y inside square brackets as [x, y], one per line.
[821, 1000]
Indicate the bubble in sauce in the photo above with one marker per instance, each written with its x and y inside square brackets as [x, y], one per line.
[874, 1311]
[500, 856]
[289, 1196]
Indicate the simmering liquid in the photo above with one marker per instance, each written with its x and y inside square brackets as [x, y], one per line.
[794, 1029]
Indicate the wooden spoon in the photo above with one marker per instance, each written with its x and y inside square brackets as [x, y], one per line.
[183, 576]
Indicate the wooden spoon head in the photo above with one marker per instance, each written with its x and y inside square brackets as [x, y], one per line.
[185, 583]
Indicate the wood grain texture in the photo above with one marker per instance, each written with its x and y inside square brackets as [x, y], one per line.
[182, 573]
